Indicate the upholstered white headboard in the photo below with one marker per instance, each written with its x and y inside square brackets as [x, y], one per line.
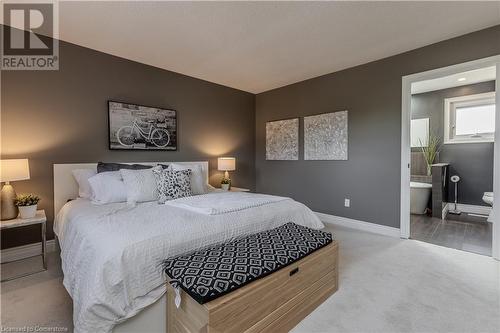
[65, 186]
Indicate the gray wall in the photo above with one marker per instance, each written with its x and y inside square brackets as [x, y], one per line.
[61, 117]
[372, 94]
[473, 162]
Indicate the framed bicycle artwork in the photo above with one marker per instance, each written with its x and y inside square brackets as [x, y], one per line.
[138, 127]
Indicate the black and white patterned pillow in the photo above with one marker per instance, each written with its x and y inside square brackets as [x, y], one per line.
[172, 184]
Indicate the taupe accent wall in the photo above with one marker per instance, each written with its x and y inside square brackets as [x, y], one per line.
[372, 95]
[473, 162]
[62, 117]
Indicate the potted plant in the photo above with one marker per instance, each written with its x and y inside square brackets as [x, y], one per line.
[27, 204]
[430, 151]
[225, 184]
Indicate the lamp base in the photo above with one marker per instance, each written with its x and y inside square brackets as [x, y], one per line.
[8, 210]
[226, 175]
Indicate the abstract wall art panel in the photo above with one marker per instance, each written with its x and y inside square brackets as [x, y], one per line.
[282, 140]
[326, 137]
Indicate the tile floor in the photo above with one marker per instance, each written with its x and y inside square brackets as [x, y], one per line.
[463, 232]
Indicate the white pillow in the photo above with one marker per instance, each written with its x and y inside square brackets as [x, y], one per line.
[198, 181]
[108, 187]
[140, 184]
[82, 178]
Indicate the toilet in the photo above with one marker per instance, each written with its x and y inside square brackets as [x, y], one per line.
[419, 197]
[488, 198]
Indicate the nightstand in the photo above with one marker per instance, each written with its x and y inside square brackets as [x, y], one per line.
[39, 218]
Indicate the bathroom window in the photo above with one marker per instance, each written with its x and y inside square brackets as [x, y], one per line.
[470, 118]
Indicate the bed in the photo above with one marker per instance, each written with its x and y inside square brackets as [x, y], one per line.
[111, 254]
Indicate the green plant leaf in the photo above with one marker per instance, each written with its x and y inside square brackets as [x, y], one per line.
[433, 147]
[26, 200]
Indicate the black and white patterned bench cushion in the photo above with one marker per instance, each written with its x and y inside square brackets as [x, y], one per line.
[217, 270]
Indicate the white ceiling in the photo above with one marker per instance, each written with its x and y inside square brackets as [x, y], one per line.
[258, 46]
[455, 80]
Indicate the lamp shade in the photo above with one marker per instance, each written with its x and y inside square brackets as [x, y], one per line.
[226, 163]
[15, 169]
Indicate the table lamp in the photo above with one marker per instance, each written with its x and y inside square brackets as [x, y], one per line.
[10, 171]
[226, 164]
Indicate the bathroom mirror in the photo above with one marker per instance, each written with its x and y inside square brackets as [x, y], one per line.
[419, 132]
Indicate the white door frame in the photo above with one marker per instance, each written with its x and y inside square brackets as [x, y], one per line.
[406, 150]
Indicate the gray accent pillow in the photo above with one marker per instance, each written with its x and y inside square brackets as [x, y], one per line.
[104, 167]
[172, 184]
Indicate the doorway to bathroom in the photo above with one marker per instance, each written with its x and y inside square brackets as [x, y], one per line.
[450, 152]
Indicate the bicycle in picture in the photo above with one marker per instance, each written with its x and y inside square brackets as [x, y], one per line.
[151, 131]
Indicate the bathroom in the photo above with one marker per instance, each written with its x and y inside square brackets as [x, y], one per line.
[452, 157]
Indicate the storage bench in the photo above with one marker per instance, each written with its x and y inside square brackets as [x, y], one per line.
[273, 303]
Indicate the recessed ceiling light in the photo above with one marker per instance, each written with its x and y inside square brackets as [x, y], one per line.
[461, 79]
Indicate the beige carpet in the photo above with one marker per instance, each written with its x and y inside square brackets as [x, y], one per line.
[386, 285]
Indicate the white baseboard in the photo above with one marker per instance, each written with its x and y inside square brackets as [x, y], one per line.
[25, 251]
[359, 225]
[474, 209]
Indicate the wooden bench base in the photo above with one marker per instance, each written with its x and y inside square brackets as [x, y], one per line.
[275, 303]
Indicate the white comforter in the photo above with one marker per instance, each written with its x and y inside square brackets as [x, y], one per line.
[112, 254]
